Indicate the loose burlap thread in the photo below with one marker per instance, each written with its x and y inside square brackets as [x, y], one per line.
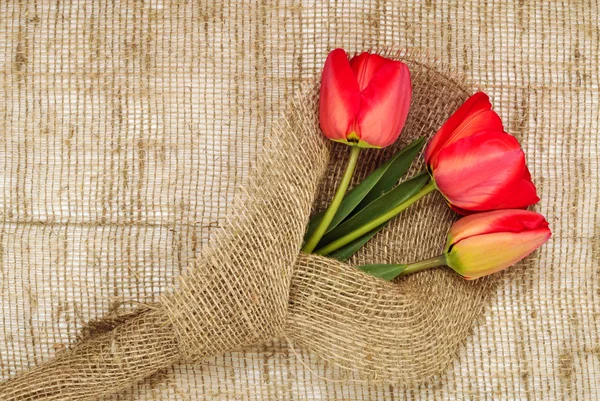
[251, 283]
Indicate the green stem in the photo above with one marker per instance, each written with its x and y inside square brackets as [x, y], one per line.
[346, 239]
[314, 239]
[423, 265]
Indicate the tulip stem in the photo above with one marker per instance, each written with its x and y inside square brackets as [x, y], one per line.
[359, 232]
[314, 239]
[423, 265]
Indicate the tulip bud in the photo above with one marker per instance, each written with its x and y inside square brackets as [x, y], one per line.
[476, 165]
[364, 102]
[484, 243]
[479, 244]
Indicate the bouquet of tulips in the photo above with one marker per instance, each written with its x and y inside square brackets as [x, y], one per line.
[478, 168]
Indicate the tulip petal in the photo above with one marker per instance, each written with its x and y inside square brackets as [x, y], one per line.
[459, 210]
[384, 105]
[484, 172]
[481, 255]
[521, 195]
[473, 117]
[511, 220]
[339, 98]
[365, 65]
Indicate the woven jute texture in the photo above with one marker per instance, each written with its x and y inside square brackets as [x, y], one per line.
[139, 140]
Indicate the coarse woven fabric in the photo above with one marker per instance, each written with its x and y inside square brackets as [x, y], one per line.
[251, 284]
[130, 128]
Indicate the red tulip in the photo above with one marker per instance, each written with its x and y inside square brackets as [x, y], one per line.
[485, 243]
[479, 244]
[364, 102]
[476, 165]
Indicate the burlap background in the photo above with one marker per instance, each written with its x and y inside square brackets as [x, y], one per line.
[129, 127]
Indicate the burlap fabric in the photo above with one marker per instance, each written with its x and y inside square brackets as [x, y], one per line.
[132, 131]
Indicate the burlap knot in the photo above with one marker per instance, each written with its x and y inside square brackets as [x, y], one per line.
[252, 283]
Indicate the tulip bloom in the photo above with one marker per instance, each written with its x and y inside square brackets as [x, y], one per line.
[485, 243]
[364, 102]
[481, 244]
[476, 165]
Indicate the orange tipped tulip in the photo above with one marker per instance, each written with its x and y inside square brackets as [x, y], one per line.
[484, 243]
[476, 165]
[479, 244]
[364, 102]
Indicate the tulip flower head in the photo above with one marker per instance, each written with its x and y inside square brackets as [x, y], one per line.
[476, 165]
[364, 102]
[479, 244]
[485, 243]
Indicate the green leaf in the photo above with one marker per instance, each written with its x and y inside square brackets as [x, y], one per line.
[345, 252]
[378, 182]
[386, 272]
[399, 165]
[379, 206]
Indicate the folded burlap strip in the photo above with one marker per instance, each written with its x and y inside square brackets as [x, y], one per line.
[252, 283]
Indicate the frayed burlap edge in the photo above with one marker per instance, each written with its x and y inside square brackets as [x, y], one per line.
[250, 285]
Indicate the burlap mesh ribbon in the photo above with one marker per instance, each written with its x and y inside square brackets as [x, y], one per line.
[252, 284]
